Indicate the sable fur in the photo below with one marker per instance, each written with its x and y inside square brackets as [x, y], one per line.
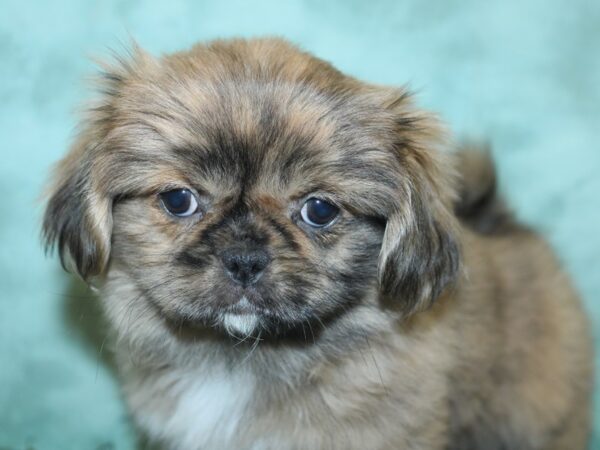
[404, 325]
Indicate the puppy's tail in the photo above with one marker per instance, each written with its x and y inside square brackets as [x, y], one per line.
[479, 205]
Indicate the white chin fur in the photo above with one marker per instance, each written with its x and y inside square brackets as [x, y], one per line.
[240, 324]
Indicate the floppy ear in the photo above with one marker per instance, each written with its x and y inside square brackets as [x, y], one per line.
[420, 253]
[78, 218]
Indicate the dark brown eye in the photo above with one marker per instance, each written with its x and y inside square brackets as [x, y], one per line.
[318, 213]
[179, 202]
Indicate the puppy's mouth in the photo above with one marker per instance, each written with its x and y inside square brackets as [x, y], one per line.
[238, 313]
[241, 313]
[242, 318]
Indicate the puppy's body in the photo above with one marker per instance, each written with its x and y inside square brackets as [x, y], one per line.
[366, 332]
[502, 363]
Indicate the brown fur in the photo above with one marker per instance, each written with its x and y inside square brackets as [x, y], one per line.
[397, 327]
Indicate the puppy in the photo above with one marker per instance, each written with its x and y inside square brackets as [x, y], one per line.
[286, 263]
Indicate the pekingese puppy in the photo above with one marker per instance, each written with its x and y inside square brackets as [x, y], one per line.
[291, 260]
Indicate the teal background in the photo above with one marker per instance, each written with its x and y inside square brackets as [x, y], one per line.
[523, 74]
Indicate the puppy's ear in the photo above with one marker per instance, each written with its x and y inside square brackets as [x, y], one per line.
[78, 219]
[420, 253]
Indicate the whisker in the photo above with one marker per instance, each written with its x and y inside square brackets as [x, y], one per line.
[311, 330]
[376, 365]
[252, 349]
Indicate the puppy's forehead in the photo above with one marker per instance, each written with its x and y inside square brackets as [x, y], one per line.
[259, 135]
[255, 115]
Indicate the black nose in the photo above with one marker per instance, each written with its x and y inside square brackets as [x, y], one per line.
[245, 266]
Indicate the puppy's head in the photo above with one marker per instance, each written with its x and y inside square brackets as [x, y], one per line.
[250, 187]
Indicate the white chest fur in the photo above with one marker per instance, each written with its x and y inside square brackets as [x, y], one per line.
[193, 410]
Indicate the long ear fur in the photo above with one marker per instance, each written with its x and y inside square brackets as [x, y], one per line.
[78, 217]
[420, 253]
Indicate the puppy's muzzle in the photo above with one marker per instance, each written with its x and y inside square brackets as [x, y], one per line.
[245, 265]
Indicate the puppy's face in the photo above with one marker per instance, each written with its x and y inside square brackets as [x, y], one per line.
[253, 189]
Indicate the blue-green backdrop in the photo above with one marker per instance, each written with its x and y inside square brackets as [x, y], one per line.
[523, 74]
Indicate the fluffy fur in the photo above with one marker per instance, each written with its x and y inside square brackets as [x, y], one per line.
[418, 320]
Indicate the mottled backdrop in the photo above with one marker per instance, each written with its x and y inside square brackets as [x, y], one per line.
[524, 75]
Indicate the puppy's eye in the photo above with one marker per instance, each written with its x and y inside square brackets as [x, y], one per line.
[318, 213]
[179, 202]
